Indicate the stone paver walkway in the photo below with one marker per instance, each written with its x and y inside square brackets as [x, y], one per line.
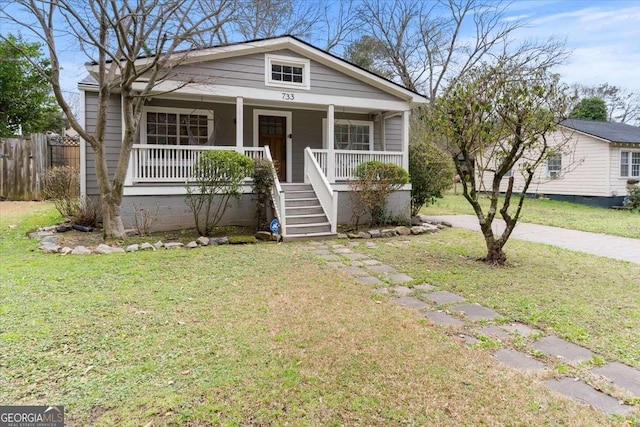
[623, 248]
[481, 324]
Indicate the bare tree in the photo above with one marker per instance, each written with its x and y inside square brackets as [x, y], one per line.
[623, 105]
[498, 120]
[430, 44]
[132, 47]
[269, 18]
[341, 25]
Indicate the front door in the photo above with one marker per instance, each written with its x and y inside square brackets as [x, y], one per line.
[273, 132]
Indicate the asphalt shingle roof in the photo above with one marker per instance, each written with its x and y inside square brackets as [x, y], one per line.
[614, 132]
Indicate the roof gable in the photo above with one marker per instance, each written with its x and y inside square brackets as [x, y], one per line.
[609, 131]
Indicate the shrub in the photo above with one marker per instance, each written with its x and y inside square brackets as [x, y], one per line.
[633, 194]
[218, 176]
[263, 181]
[144, 219]
[431, 171]
[89, 213]
[374, 182]
[62, 186]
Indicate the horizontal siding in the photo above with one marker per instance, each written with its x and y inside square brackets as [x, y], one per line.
[618, 183]
[248, 71]
[393, 133]
[585, 170]
[113, 136]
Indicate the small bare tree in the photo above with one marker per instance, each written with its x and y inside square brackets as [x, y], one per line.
[498, 118]
[132, 47]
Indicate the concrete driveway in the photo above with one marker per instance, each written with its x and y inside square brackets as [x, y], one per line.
[622, 248]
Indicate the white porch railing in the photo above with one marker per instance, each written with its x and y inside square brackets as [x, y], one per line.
[326, 195]
[172, 163]
[346, 161]
[277, 195]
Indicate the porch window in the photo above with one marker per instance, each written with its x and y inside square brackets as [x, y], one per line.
[554, 166]
[171, 127]
[353, 135]
[287, 72]
[630, 164]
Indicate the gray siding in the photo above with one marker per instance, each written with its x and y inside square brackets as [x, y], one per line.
[393, 134]
[248, 71]
[174, 214]
[113, 136]
[398, 204]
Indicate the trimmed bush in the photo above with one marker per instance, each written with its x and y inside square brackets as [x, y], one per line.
[431, 171]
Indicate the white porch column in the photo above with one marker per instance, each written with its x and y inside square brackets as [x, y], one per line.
[239, 123]
[405, 139]
[331, 155]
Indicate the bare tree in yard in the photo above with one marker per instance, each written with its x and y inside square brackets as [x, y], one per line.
[623, 105]
[127, 43]
[498, 118]
[269, 18]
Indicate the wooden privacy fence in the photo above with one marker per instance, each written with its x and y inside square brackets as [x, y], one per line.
[24, 162]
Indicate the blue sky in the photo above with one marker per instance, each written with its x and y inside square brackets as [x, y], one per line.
[604, 37]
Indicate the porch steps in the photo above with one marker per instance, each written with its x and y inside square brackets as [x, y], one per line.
[305, 218]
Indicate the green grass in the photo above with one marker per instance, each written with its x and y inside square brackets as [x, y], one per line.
[550, 212]
[589, 300]
[261, 334]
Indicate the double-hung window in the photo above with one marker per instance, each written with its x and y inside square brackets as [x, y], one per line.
[630, 164]
[173, 127]
[287, 72]
[352, 134]
[554, 166]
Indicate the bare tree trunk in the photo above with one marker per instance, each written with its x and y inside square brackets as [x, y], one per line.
[111, 217]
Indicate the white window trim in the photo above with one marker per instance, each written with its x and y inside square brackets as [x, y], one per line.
[629, 166]
[350, 122]
[143, 122]
[558, 173]
[287, 60]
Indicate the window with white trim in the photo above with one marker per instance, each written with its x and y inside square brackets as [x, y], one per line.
[287, 72]
[164, 126]
[630, 164]
[554, 165]
[351, 134]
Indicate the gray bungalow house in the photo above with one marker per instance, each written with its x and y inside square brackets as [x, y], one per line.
[316, 115]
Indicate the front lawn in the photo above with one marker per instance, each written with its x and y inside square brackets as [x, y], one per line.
[244, 335]
[551, 212]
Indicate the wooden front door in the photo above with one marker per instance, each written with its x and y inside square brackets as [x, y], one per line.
[273, 132]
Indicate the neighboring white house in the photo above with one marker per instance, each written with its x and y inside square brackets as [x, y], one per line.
[604, 158]
[313, 113]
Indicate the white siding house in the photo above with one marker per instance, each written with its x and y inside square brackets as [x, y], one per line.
[604, 159]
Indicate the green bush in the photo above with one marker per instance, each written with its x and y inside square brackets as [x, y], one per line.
[431, 171]
[633, 194]
[374, 182]
[218, 176]
[263, 181]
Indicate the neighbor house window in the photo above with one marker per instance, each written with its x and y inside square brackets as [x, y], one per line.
[165, 127]
[287, 72]
[630, 164]
[554, 165]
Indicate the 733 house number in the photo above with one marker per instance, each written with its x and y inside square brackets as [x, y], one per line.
[288, 96]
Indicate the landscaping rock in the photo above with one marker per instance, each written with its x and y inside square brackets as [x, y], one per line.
[430, 228]
[133, 248]
[63, 228]
[364, 235]
[219, 240]
[263, 235]
[148, 246]
[353, 236]
[342, 236]
[158, 244]
[417, 229]
[131, 232]
[66, 250]
[416, 221]
[81, 250]
[192, 245]
[375, 233]
[49, 248]
[50, 239]
[446, 224]
[40, 234]
[402, 230]
[203, 241]
[388, 232]
[173, 245]
[104, 249]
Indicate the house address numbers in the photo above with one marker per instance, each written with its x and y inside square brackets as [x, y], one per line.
[287, 96]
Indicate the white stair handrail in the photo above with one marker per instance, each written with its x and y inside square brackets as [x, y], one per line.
[326, 195]
[277, 195]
